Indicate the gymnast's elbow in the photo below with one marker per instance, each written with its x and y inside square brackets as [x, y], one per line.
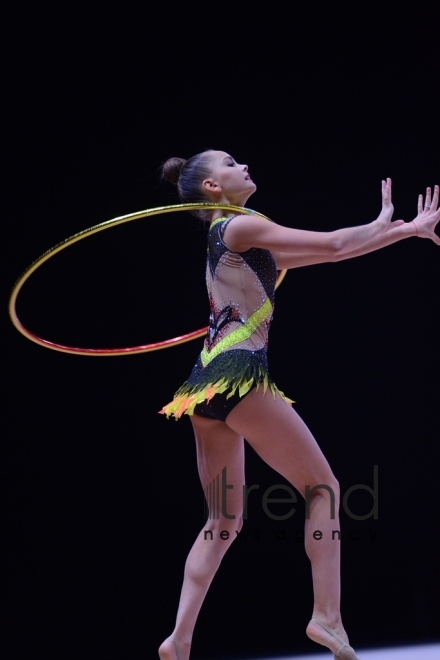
[335, 246]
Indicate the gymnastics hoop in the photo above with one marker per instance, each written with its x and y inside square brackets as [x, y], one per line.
[94, 230]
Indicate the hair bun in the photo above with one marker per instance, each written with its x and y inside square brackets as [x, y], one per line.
[171, 169]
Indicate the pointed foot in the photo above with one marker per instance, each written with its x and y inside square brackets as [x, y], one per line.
[322, 634]
[167, 650]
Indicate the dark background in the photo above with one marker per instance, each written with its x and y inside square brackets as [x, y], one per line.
[102, 496]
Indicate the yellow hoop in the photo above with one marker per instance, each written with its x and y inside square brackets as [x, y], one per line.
[93, 230]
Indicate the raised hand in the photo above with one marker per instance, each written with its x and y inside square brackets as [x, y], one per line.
[428, 216]
[387, 206]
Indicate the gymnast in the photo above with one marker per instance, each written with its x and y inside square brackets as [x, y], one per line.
[229, 395]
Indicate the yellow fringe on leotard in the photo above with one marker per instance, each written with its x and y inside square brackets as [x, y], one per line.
[188, 396]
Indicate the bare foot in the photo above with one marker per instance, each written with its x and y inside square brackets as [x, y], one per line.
[175, 648]
[338, 644]
[167, 650]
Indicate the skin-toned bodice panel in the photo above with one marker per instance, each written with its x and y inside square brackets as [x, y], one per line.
[241, 290]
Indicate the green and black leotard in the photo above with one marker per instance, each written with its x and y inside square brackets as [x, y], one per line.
[241, 290]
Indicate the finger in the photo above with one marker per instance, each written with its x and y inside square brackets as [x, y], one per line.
[434, 202]
[428, 199]
[386, 190]
[389, 186]
[420, 204]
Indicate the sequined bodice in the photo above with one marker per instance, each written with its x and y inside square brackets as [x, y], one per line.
[241, 288]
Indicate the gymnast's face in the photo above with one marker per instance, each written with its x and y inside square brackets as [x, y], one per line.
[230, 181]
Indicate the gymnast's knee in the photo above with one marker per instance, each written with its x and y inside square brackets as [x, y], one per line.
[328, 491]
[223, 529]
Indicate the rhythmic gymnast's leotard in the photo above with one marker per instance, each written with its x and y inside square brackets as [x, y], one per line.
[241, 290]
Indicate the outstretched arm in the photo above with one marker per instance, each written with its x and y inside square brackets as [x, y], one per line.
[246, 232]
[423, 226]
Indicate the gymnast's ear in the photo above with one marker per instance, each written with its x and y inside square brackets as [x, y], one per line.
[210, 185]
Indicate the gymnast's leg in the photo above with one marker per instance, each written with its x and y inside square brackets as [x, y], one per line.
[217, 446]
[277, 433]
